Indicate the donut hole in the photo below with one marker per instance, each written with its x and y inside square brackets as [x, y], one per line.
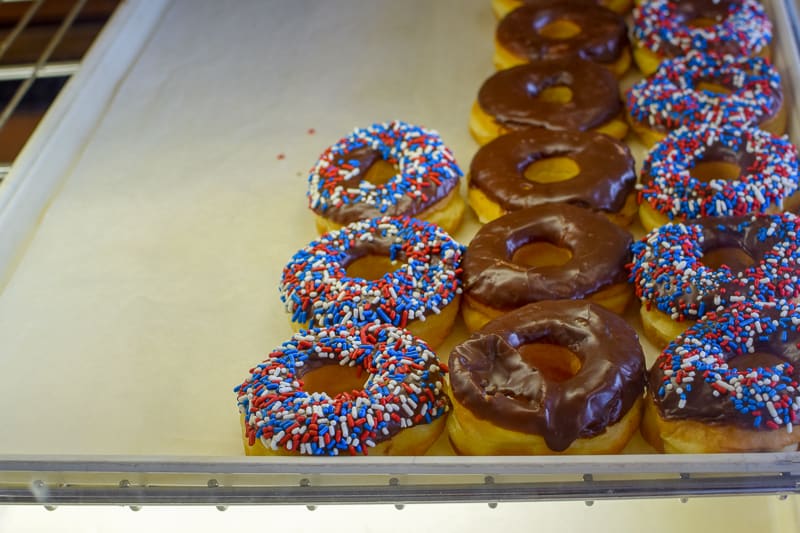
[702, 22]
[380, 172]
[706, 171]
[754, 360]
[374, 168]
[736, 259]
[540, 254]
[334, 379]
[371, 266]
[701, 15]
[559, 29]
[712, 86]
[555, 362]
[555, 94]
[551, 169]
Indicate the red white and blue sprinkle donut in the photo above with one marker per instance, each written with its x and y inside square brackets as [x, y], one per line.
[674, 95]
[677, 286]
[425, 184]
[666, 28]
[400, 409]
[769, 174]
[729, 384]
[423, 293]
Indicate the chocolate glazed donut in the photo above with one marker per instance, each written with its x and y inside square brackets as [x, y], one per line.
[602, 38]
[508, 96]
[606, 170]
[490, 377]
[600, 251]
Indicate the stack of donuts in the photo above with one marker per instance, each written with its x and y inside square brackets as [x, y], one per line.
[704, 237]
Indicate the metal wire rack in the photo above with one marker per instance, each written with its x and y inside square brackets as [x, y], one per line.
[28, 73]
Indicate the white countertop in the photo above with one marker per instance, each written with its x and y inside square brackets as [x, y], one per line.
[724, 515]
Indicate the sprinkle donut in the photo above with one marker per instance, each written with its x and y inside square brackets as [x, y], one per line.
[729, 384]
[665, 28]
[675, 95]
[422, 294]
[421, 181]
[399, 410]
[674, 278]
[769, 175]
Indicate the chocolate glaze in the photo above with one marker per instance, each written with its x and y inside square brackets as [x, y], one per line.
[509, 96]
[725, 232]
[702, 405]
[406, 205]
[605, 179]
[600, 250]
[603, 35]
[489, 377]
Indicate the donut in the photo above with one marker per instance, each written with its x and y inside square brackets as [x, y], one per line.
[706, 89]
[503, 7]
[555, 95]
[680, 272]
[397, 405]
[536, 166]
[674, 188]
[408, 276]
[555, 29]
[728, 384]
[386, 169]
[546, 252]
[551, 377]
[666, 28]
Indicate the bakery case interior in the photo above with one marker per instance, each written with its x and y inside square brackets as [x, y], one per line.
[521, 250]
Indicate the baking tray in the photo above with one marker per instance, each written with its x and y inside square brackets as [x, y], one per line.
[144, 227]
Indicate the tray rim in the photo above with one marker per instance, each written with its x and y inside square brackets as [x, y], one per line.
[85, 479]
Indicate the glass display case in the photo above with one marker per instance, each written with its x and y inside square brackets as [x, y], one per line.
[144, 227]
